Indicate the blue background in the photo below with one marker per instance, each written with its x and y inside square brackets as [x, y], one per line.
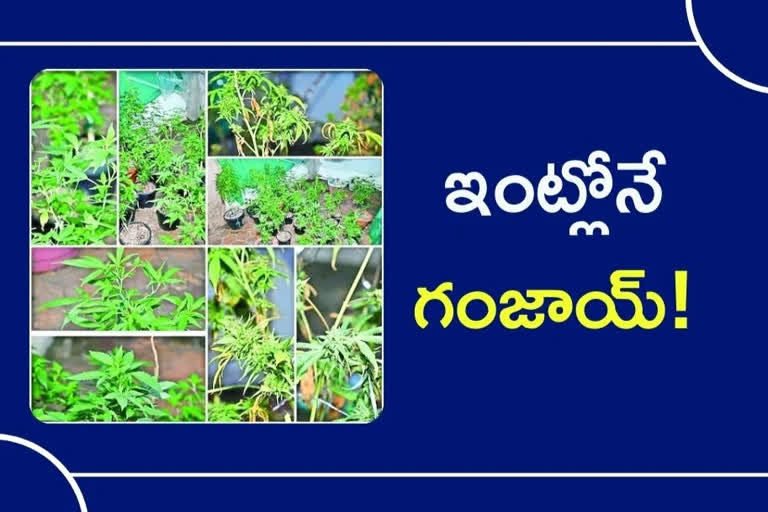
[560, 398]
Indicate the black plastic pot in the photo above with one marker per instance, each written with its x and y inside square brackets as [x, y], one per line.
[253, 213]
[141, 227]
[299, 230]
[165, 224]
[146, 199]
[93, 175]
[234, 217]
[283, 238]
[288, 218]
[37, 227]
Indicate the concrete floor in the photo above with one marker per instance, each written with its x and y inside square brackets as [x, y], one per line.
[149, 217]
[63, 282]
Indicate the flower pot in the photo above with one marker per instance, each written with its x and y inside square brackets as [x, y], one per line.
[283, 238]
[93, 175]
[135, 233]
[40, 228]
[45, 260]
[364, 218]
[146, 198]
[234, 217]
[132, 174]
[288, 218]
[299, 230]
[253, 213]
[166, 224]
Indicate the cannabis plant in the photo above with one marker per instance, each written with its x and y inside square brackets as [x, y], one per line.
[105, 302]
[70, 207]
[69, 103]
[362, 193]
[220, 411]
[241, 279]
[264, 117]
[169, 152]
[352, 229]
[346, 138]
[241, 314]
[265, 359]
[340, 369]
[117, 390]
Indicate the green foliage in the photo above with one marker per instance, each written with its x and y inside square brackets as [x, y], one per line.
[362, 193]
[346, 138]
[70, 135]
[170, 152]
[114, 306]
[264, 117]
[352, 229]
[227, 185]
[334, 199]
[118, 390]
[240, 315]
[265, 359]
[78, 219]
[224, 412]
[344, 361]
[187, 397]
[241, 279]
[51, 384]
[362, 101]
[67, 103]
[315, 209]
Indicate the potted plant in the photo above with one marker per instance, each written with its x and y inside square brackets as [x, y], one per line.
[235, 217]
[352, 229]
[283, 237]
[98, 157]
[170, 210]
[253, 211]
[146, 193]
[264, 117]
[135, 233]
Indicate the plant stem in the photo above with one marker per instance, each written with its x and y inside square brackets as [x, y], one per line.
[154, 351]
[353, 288]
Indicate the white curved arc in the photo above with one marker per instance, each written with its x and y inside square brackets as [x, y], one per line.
[713, 60]
[53, 460]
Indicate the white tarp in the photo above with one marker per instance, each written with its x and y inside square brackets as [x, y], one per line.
[339, 172]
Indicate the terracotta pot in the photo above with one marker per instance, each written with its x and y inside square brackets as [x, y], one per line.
[132, 173]
[364, 218]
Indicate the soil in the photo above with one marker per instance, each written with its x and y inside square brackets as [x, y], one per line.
[233, 213]
[135, 234]
[284, 237]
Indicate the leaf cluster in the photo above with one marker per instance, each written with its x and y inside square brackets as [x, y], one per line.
[71, 136]
[264, 117]
[109, 304]
[117, 389]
